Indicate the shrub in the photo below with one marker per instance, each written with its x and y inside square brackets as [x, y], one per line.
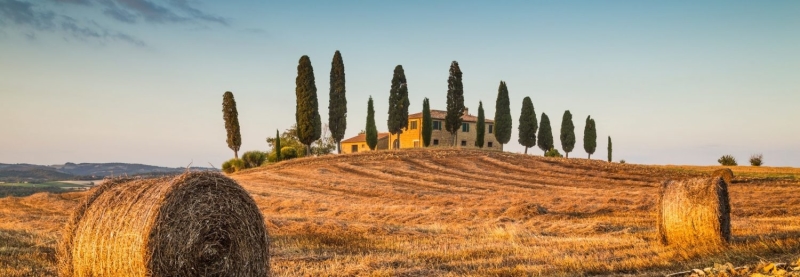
[727, 160]
[254, 159]
[233, 165]
[756, 159]
[553, 153]
[288, 153]
[622, 161]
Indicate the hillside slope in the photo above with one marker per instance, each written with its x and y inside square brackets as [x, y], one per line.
[451, 212]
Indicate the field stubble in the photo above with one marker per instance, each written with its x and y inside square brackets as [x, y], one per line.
[461, 213]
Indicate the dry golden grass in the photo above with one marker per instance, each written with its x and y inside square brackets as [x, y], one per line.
[467, 213]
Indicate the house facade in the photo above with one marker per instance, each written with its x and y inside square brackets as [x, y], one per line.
[359, 143]
[465, 137]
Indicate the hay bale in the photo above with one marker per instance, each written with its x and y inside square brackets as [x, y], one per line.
[196, 224]
[725, 173]
[694, 213]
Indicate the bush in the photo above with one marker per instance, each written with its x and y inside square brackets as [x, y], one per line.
[288, 153]
[233, 165]
[254, 159]
[727, 160]
[553, 153]
[622, 161]
[756, 159]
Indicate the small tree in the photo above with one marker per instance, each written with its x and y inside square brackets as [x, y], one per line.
[609, 149]
[727, 160]
[455, 101]
[756, 159]
[277, 147]
[553, 153]
[567, 133]
[398, 103]
[545, 134]
[287, 139]
[307, 110]
[325, 144]
[372, 131]
[231, 117]
[337, 106]
[480, 126]
[589, 137]
[502, 115]
[427, 123]
[527, 124]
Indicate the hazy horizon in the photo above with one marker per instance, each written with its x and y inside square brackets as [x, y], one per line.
[141, 81]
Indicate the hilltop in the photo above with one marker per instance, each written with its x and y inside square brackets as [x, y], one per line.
[448, 212]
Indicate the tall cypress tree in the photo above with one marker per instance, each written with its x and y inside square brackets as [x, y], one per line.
[455, 101]
[545, 134]
[277, 146]
[527, 124]
[609, 149]
[480, 127]
[337, 106]
[307, 111]
[231, 117]
[502, 115]
[567, 133]
[589, 136]
[371, 130]
[427, 124]
[398, 104]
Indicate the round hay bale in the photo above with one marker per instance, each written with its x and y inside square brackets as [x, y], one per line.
[725, 173]
[694, 213]
[196, 224]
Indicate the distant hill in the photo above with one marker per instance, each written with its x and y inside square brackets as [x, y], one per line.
[68, 171]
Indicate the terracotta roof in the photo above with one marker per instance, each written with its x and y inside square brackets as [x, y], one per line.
[438, 114]
[363, 137]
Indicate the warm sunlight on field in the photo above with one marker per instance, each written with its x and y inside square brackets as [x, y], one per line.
[461, 213]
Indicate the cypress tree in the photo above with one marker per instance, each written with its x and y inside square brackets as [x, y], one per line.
[609, 149]
[545, 134]
[502, 115]
[455, 101]
[427, 124]
[307, 111]
[398, 103]
[567, 133]
[589, 137]
[277, 146]
[337, 106]
[480, 127]
[231, 117]
[527, 124]
[371, 130]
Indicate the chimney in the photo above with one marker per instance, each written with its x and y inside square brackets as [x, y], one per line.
[466, 111]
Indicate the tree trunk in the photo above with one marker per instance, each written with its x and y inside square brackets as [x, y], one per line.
[590, 156]
[308, 150]
[545, 153]
[236, 154]
[338, 147]
[567, 154]
[398, 140]
[526, 150]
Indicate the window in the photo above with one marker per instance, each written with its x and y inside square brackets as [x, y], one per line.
[491, 129]
[465, 127]
[463, 143]
[437, 125]
[354, 148]
[490, 143]
[416, 144]
[413, 125]
[436, 141]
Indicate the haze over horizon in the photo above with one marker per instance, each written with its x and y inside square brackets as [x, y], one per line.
[141, 81]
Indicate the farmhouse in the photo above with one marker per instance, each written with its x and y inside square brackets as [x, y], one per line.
[359, 143]
[412, 135]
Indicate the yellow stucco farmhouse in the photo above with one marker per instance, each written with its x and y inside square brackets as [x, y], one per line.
[412, 135]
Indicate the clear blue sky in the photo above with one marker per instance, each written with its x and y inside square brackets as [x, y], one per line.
[141, 81]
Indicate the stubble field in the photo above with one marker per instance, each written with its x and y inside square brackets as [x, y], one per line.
[450, 212]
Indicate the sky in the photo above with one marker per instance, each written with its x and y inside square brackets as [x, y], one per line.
[141, 81]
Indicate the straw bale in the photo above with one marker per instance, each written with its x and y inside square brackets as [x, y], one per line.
[725, 173]
[694, 213]
[196, 224]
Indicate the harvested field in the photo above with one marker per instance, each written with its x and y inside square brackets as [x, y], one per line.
[463, 213]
